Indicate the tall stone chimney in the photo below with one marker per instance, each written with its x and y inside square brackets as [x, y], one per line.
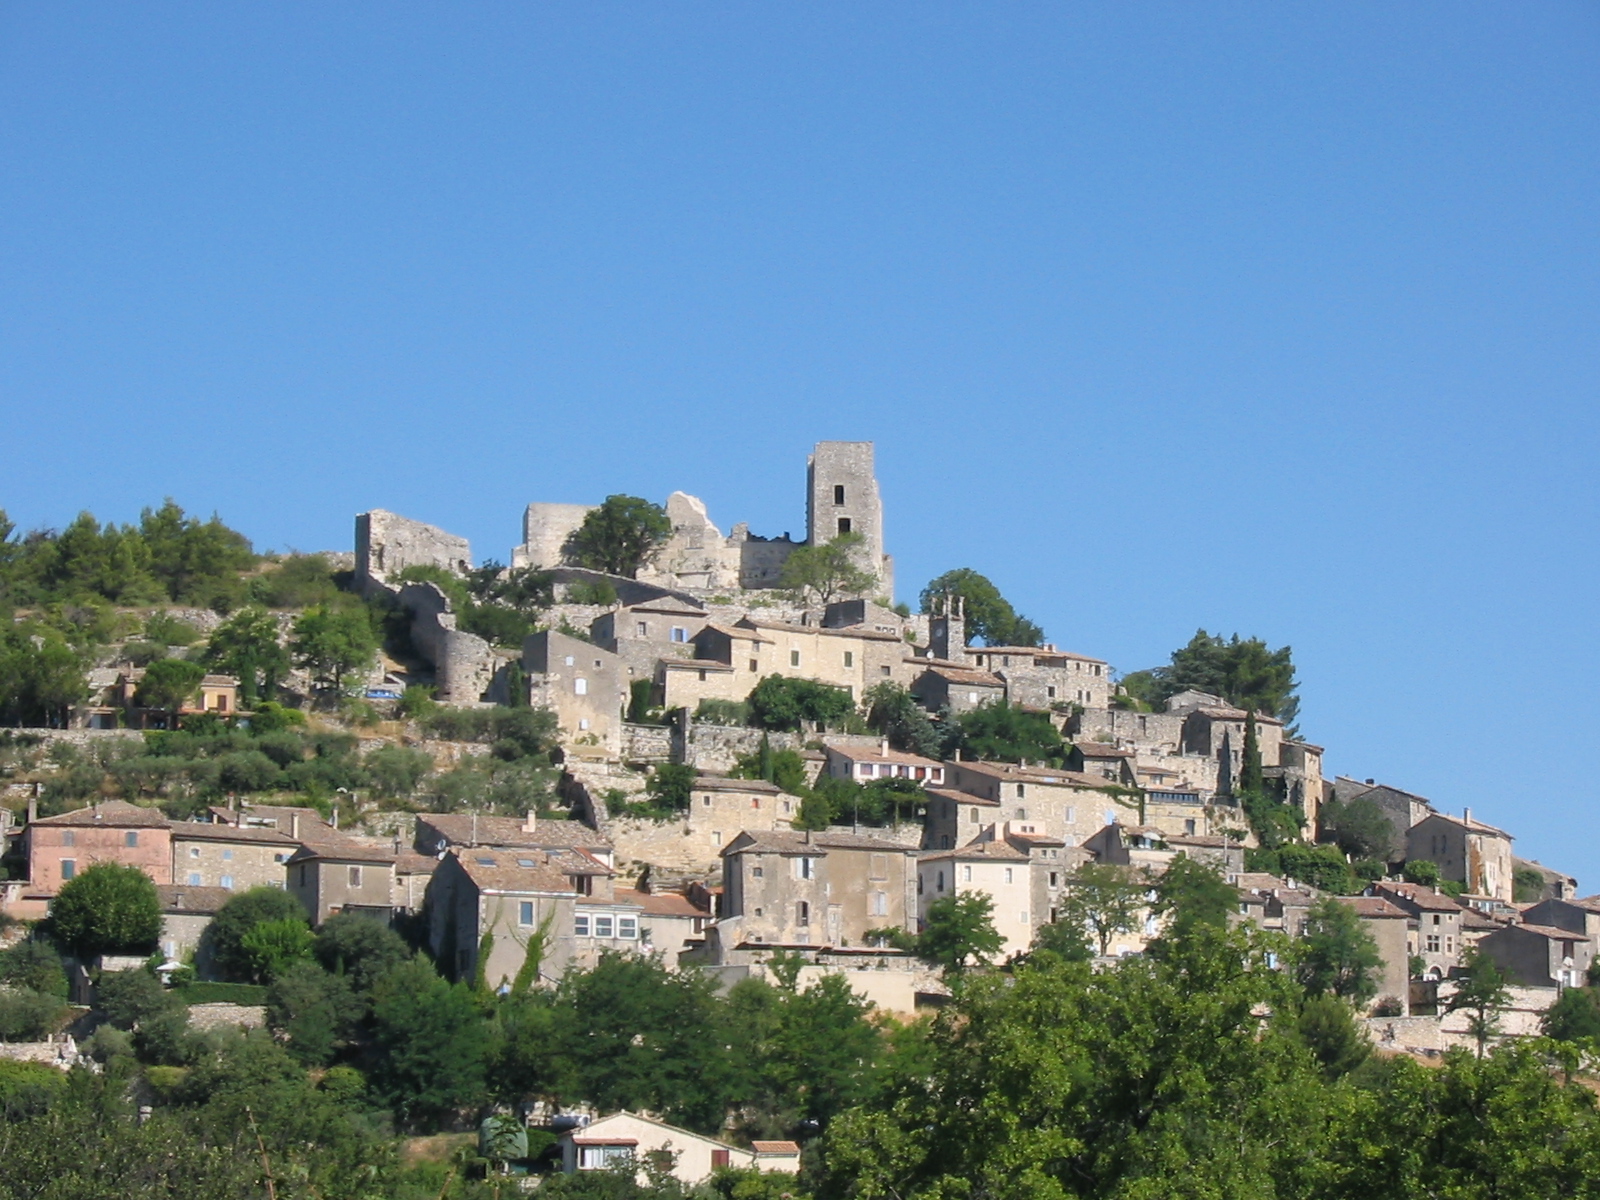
[530, 822]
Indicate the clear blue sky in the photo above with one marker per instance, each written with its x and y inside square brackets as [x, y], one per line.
[1277, 319]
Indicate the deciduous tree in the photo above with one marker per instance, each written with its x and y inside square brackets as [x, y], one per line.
[828, 572]
[108, 909]
[619, 535]
[989, 615]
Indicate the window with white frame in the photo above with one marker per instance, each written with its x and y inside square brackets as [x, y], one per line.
[580, 925]
[880, 904]
[603, 1158]
[805, 868]
[680, 634]
[525, 912]
[603, 925]
[580, 686]
[628, 928]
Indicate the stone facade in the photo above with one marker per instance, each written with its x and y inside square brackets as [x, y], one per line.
[814, 889]
[584, 685]
[1038, 800]
[61, 848]
[1469, 852]
[1044, 677]
[842, 497]
[691, 845]
[642, 634]
[545, 530]
[339, 875]
[387, 543]
[464, 665]
[223, 856]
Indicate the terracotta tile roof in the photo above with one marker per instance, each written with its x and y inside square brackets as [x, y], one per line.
[721, 783]
[1469, 823]
[209, 831]
[662, 904]
[1198, 839]
[1016, 773]
[1034, 839]
[408, 862]
[784, 841]
[877, 754]
[1373, 908]
[854, 632]
[336, 847]
[1418, 896]
[1235, 714]
[961, 797]
[1102, 750]
[459, 829]
[1551, 932]
[967, 677]
[973, 851]
[775, 1147]
[513, 871]
[733, 631]
[695, 664]
[112, 814]
[199, 900]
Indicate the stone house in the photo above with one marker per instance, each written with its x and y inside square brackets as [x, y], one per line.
[1183, 812]
[583, 684]
[1022, 874]
[60, 848]
[1053, 801]
[1222, 853]
[185, 913]
[412, 873]
[437, 832]
[1556, 885]
[690, 1158]
[1539, 955]
[692, 843]
[1218, 732]
[642, 634]
[1140, 846]
[852, 659]
[1575, 916]
[670, 922]
[947, 686]
[119, 703]
[1152, 735]
[1466, 851]
[288, 820]
[511, 894]
[1044, 677]
[336, 874]
[1437, 933]
[205, 854]
[1111, 763]
[810, 890]
[1298, 777]
[863, 764]
[1390, 927]
[1403, 809]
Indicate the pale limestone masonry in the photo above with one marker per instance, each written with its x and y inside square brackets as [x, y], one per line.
[464, 665]
[691, 845]
[842, 497]
[545, 530]
[387, 543]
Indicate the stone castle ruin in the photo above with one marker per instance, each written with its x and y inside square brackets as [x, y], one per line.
[841, 497]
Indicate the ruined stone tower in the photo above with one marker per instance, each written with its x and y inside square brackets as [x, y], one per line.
[842, 497]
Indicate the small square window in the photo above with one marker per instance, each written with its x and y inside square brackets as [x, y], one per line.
[602, 927]
[644, 629]
[580, 925]
[194, 878]
[194, 851]
[525, 912]
[754, 666]
[69, 868]
[355, 876]
[628, 927]
[131, 838]
[227, 856]
[794, 658]
[69, 838]
[569, 660]
[680, 634]
[844, 524]
[838, 493]
[227, 882]
[849, 658]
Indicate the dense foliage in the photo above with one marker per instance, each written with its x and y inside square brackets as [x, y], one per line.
[1242, 671]
[827, 572]
[989, 615]
[619, 535]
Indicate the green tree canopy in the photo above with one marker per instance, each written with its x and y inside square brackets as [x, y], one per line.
[959, 932]
[1193, 896]
[619, 535]
[1358, 827]
[1336, 955]
[999, 732]
[170, 683]
[989, 615]
[827, 572]
[892, 712]
[781, 703]
[108, 909]
[1242, 671]
[1104, 900]
[334, 643]
[430, 1046]
[246, 646]
[41, 676]
[224, 938]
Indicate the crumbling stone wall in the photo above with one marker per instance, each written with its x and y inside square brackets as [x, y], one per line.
[716, 749]
[464, 665]
[545, 530]
[387, 543]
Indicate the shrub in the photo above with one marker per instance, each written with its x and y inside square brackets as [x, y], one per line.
[780, 703]
[225, 937]
[27, 1016]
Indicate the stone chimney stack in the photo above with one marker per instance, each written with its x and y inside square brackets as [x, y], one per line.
[530, 822]
[294, 826]
[1466, 815]
[33, 805]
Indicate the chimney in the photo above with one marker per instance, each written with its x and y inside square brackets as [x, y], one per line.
[1466, 815]
[177, 900]
[294, 825]
[883, 747]
[530, 821]
[33, 805]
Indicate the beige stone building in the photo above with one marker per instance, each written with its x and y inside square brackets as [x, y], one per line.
[1023, 875]
[1468, 852]
[1054, 802]
[185, 913]
[513, 894]
[644, 633]
[811, 890]
[863, 764]
[1390, 927]
[719, 808]
[941, 686]
[438, 832]
[1044, 677]
[584, 685]
[335, 874]
[1436, 924]
[206, 854]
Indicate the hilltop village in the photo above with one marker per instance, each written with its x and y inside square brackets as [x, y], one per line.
[640, 735]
